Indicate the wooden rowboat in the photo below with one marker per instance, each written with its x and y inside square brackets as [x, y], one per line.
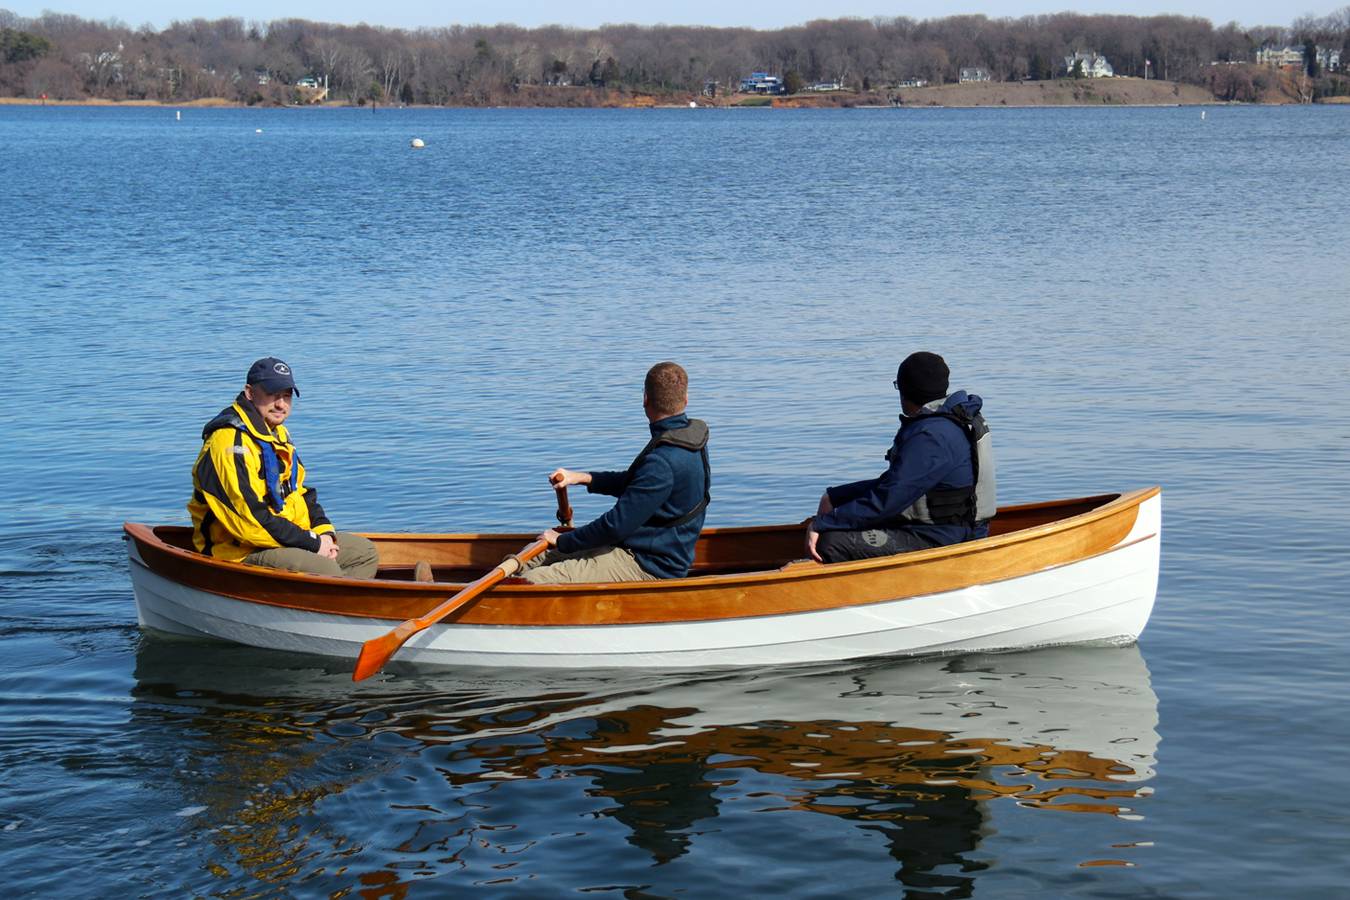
[1065, 571]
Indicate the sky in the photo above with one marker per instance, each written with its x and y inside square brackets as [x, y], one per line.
[763, 14]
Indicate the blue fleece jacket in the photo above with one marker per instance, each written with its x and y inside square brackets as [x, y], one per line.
[667, 484]
[929, 452]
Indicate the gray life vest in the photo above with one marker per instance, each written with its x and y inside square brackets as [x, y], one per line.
[694, 438]
[970, 505]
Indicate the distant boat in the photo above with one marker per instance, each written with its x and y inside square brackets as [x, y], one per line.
[1064, 571]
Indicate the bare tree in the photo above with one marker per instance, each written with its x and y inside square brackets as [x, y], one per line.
[327, 54]
[391, 62]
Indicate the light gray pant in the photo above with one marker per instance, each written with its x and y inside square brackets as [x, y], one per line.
[590, 566]
[357, 558]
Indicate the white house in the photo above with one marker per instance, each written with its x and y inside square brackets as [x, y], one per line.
[762, 83]
[1329, 59]
[1093, 64]
[1279, 57]
[974, 73]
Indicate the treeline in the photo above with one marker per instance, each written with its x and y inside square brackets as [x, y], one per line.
[66, 57]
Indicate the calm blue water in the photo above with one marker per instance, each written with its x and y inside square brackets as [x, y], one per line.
[1142, 297]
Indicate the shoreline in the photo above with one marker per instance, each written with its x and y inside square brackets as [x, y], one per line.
[1064, 93]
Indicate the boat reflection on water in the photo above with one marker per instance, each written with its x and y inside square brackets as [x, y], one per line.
[307, 777]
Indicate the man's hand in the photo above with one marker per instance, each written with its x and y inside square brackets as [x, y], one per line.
[327, 546]
[565, 477]
[551, 536]
[811, 534]
[811, 537]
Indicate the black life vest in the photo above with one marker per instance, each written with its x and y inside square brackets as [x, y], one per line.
[969, 505]
[694, 438]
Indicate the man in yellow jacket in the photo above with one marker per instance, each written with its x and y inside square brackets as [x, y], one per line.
[250, 502]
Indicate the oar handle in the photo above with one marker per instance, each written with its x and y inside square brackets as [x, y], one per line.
[377, 651]
[564, 508]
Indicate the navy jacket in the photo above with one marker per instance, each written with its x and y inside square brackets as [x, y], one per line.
[929, 452]
[667, 484]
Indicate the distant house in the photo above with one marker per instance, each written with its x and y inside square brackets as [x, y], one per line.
[1094, 65]
[762, 83]
[1280, 57]
[913, 82]
[823, 86]
[107, 64]
[1329, 59]
[974, 74]
[310, 83]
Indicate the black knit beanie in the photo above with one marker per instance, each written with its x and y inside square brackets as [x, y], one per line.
[923, 378]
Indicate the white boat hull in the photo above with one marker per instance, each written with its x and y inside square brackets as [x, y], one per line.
[1103, 598]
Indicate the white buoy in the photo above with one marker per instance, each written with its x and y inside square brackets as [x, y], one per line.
[417, 143]
[178, 116]
[693, 105]
[257, 131]
[1202, 115]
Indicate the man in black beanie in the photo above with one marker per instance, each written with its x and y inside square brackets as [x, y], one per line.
[939, 488]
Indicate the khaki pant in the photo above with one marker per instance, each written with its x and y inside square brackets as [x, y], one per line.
[598, 565]
[357, 558]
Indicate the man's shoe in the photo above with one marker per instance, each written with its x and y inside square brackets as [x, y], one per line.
[422, 571]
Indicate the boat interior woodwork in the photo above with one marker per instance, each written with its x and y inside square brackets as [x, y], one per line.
[460, 558]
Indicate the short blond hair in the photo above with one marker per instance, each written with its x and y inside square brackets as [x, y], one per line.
[667, 388]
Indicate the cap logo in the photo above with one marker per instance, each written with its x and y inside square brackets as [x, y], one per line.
[281, 369]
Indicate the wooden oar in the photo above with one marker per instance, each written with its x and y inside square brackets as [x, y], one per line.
[377, 651]
[564, 508]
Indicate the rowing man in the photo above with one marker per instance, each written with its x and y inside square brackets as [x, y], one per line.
[651, 531]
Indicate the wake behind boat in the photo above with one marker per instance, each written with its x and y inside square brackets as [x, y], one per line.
[1064, 571]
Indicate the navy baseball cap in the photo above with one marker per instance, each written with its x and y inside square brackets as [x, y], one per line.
[272, 375]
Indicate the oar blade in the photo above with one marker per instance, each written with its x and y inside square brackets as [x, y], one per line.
[376, 652]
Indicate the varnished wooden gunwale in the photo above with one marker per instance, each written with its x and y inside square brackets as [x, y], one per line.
[1028, 539]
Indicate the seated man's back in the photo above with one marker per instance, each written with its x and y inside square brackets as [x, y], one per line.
[939, 488]
[662, 498]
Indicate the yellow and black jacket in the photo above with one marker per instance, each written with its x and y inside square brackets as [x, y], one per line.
[248, 489]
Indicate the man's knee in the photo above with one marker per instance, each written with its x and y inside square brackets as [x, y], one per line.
[835, 546]
[608, 564]
[841, 546]
[293, 559]
[546, 574]
[357, 556]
